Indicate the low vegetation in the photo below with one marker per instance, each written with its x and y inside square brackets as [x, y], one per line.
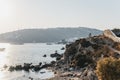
[108, 69]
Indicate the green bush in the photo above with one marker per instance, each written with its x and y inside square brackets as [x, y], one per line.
[108, 69]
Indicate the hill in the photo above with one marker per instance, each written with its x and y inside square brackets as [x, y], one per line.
[46, 35]
[81, 57]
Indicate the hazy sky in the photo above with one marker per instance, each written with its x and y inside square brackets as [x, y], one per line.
[19, 14]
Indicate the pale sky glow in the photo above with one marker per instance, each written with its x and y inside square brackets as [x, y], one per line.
[20, 14]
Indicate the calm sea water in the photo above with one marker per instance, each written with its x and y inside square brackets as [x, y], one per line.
[27, 53]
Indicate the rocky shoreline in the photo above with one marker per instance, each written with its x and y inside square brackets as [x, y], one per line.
[80, 58]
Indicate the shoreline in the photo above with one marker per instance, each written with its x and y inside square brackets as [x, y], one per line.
[63, 73]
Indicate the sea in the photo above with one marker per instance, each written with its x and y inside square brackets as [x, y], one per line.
[27, 53]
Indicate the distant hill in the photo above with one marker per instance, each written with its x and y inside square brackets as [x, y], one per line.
[46, 35]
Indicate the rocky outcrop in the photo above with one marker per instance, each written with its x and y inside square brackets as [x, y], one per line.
[56, 55]
[86, 51]
[82, 56]
[108, 33]
[29, 66]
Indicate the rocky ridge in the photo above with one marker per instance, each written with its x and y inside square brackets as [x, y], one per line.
[81, 56]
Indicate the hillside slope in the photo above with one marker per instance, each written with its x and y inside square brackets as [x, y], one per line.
[46, 35]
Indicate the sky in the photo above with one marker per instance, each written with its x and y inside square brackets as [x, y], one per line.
[22, 14]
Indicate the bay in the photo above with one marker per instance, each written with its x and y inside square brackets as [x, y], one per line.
[27, 53]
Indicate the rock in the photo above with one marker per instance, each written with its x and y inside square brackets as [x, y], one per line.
[55, 55]
[116, 32]
[85, 43]
[46, 65]
[36, 68]
[27, 66]
[108, 33]
[58, 58]
[42, 72]
[53, 62]
[44, 55]
[18, 67]
[5, 66]
[62, 48]
[40, 63]
[11, 68]
[30, 78]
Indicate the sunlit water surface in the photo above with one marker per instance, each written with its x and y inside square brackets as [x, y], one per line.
[27, 53]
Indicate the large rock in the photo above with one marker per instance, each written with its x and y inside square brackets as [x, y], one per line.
[108, 33]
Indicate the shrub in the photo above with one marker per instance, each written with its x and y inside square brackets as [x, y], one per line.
[82, 60]
[108, 69]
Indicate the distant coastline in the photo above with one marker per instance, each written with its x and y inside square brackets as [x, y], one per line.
[46, 35]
